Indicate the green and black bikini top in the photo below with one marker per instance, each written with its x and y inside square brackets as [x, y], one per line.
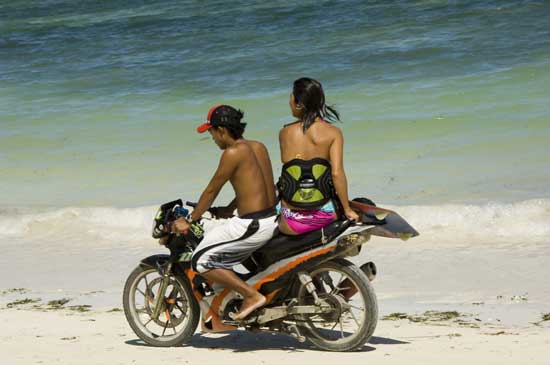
[306, 184]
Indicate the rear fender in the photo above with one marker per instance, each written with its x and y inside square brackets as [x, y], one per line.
[387, 223]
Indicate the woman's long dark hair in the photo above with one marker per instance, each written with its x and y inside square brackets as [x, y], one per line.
[309, 95]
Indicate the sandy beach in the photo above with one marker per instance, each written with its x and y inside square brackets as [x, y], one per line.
[35, 337]
[448, 301]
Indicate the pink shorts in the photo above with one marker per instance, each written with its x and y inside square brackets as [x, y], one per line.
[303, 221]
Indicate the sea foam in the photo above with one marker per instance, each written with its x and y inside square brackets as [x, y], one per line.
[528, 221]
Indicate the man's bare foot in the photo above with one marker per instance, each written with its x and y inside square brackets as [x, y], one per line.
[248, 306]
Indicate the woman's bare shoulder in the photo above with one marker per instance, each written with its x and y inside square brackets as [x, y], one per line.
[288, 128]
[290, 125]
[327, 129]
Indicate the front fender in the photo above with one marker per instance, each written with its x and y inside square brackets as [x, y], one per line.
[154, 261]
[160, 260]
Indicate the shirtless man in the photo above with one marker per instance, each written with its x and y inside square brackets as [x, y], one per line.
[247, 166]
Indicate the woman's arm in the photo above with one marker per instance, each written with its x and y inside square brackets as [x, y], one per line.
[281, 142]
[336, 156]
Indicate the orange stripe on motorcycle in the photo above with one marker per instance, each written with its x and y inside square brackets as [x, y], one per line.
[291, 265]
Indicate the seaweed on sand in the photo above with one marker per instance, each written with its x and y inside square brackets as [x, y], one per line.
[428, 317]
[395, 316]
[14, 290]
[22, 302]
[58, 303]
[80, 308]
[544, 317]
[436, 316]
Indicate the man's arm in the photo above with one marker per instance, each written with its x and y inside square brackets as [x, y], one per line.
[226, 169]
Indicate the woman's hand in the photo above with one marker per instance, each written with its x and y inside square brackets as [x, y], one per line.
[351, 215]
[180, 225]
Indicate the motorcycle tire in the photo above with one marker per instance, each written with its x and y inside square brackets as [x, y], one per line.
[370, 318]
[132, 313]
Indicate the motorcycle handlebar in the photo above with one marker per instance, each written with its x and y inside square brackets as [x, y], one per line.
[211, 210]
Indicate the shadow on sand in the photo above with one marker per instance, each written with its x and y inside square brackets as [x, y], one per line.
[242, 341]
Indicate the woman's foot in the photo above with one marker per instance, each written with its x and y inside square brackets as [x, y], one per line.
[249, 305]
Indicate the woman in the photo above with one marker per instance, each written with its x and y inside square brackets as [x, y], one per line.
[313, 171]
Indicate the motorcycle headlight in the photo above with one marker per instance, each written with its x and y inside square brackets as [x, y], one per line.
[158, 225]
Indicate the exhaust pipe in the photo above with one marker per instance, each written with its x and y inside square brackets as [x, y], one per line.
[369, 269]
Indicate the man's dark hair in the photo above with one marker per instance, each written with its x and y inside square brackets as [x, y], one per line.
[235, 131]
[308, 93]
[230, 119]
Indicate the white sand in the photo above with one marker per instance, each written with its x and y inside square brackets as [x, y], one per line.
[31, 337]
[498, 283]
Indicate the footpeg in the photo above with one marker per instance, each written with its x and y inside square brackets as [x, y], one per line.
[231, 322]
[295, 332]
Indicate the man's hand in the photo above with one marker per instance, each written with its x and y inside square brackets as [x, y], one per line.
[180, 225]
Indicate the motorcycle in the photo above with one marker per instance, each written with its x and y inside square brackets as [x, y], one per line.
[313, 292]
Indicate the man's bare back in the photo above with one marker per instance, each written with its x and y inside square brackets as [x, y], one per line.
[249, 181]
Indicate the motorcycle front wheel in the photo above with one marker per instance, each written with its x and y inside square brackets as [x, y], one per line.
[179, 318]
[353, 319]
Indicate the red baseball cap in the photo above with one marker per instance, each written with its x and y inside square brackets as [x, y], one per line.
[208, 124]
[221, 115]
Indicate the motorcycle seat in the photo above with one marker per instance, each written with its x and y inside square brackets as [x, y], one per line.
[282, 246]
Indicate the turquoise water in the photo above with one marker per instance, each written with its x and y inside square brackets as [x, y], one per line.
[441, 103]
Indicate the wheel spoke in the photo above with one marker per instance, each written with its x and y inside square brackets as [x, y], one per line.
[178, 306]
[356, 307]
[142, 293]
[341, 279]
[328, 280]
[173, 293]
[173, 327]
[341, 326]
[337, 290]
[165, 327]
[354, 318]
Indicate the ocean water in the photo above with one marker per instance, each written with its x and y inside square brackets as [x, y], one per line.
[444, 105]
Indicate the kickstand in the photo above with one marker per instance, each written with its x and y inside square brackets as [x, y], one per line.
[295, 332]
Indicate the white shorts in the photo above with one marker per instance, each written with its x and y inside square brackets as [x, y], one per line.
[229, 244]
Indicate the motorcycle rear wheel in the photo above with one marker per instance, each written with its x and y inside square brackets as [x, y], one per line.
[177, 322]
[331, 331]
